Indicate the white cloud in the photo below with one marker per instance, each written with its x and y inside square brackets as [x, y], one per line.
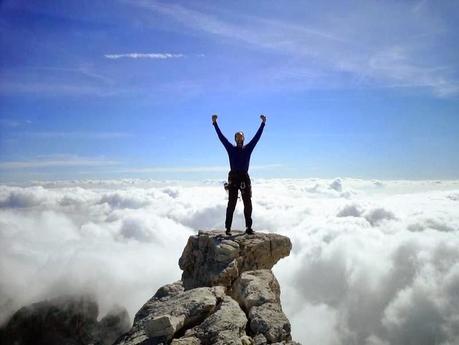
[373, 262]
[125, 199]
[161, 56]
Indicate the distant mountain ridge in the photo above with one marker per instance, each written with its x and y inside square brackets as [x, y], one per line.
[65, 320]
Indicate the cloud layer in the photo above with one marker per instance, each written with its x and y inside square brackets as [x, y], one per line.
[372, 263]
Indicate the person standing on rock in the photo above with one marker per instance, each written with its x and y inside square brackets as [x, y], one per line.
[238, 177]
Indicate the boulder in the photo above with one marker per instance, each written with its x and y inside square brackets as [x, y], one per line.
[254, 288]
[258, 292]
[213, 258]
[224, 327]
[170, 311]
[268, 319]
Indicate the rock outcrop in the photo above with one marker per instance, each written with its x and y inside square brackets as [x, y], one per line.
[227, 295]
[64, 320]
[212, 258]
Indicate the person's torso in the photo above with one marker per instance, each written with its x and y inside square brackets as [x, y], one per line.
[239, 158]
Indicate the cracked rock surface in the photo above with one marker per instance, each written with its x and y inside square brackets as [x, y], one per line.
[227, 295]
[170, 311]
[212, 258]
[258, 293]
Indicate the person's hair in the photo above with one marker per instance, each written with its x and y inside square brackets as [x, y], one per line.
[240, 132]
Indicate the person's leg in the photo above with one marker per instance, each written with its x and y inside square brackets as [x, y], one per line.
[246, 194]
[232, 199]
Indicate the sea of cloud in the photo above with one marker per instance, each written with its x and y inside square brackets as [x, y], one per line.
[373, 262]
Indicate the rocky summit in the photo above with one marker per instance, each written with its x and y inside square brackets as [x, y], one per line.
[227, 295]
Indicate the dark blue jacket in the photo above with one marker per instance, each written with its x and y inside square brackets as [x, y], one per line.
[239, 157]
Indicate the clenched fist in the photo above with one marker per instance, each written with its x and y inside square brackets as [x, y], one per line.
[263, 118]
[214, 118]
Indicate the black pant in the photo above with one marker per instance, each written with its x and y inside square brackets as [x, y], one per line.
[239, 181]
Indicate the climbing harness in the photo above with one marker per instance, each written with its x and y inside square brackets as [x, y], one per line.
[243, 185]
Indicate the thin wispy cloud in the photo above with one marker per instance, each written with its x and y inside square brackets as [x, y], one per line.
[60, 88]
[353, 43]
[53, 161]
[192, 169]
[85, 71]
[12, 123]
[160, 56]
[77, 135]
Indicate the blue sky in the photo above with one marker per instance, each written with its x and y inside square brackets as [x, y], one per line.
[110, 89]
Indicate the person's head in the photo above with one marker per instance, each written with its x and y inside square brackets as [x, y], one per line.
[239, 138]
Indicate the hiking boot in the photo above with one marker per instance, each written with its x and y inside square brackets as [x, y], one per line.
[249, 231]
[228, 232]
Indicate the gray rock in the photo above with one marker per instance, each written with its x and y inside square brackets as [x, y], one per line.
[164, 315]
[164, 293]
[113, 325]
[224, 327]
[258, 292]
[212, 258]
[169, 290]
[228, 289]
[68, 319]
[269, 320]
[186, 341]
[164, 326]
[246, 340]
[254, 288]
[260, 339]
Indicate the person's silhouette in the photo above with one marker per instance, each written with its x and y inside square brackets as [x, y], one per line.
[238, 177]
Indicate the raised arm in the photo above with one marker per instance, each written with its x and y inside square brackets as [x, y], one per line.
[254, 141]
[222, 138]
